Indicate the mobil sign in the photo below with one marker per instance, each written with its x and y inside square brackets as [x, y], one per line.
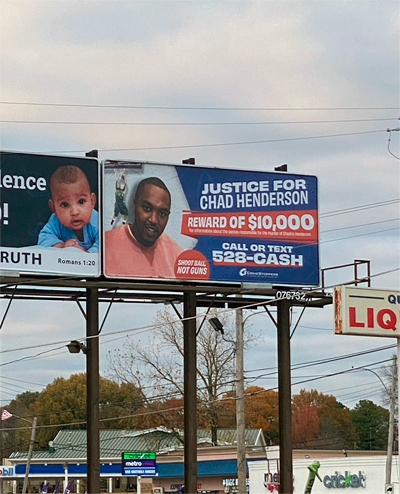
[368, 312]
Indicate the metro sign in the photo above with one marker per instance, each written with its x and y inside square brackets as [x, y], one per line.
[367, 312]
[139, 463]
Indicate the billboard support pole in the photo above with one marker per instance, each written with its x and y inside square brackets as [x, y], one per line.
[398, 391]
[92, 391]
[190, 391]
[285, 402]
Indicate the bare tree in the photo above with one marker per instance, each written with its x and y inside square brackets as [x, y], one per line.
[157, 367]
[388, 372]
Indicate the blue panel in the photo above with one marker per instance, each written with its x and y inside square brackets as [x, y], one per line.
[165, 470]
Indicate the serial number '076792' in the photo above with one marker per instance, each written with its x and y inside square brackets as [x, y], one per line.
[291, 295]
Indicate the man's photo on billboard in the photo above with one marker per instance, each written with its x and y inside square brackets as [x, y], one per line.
[142, 248]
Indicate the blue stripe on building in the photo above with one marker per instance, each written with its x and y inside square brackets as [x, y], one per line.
[165, 470]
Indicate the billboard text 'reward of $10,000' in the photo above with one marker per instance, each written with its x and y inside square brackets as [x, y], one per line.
[210, 224]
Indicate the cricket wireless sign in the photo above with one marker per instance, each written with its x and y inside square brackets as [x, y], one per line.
[363, 311]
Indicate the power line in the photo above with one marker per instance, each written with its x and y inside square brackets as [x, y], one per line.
[190, 124]
[137, 107]
[359, 226]
[359, 235]
[294, 367]
[359, 208]
[177, 321]
[238, 143]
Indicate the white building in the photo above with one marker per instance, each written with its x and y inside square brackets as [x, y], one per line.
[360, 472]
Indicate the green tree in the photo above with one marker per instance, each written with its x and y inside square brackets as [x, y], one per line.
[64, 402]
[372, 423]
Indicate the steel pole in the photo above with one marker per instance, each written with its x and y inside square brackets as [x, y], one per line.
[92, 391]
[1, 448]
[398, 394]
[240, 407]
[285, 399]
[190, 388]
[391, 424]
[30, 452]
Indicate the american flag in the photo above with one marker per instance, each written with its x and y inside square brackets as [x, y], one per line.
[5, 414]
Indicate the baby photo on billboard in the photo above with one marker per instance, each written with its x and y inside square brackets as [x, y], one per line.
[52, 224]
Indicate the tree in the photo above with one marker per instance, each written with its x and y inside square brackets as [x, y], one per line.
[16, 432]
[305, 425]
[158, 366]
[64, 402]
[336, 430]
[372, 424]
[389, 372]
[261, 410]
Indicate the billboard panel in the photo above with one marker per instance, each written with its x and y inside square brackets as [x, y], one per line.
[367, 312]
[199, 223]
[49, 214]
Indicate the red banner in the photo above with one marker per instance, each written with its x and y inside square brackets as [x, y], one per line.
[297, 226]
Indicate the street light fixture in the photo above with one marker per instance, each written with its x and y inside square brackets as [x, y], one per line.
[216, 324]
[76, 346]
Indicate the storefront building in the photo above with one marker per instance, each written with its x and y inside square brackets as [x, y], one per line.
[66, 460]
[360, 474]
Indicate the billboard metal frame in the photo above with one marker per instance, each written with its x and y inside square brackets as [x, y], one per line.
[94, 291]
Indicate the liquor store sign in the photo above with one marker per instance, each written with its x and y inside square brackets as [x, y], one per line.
[139, 463]
[367, 312]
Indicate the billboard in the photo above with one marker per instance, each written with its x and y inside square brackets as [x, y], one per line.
[49, 214]
[200, 223]
[139, 463]
[367, 312]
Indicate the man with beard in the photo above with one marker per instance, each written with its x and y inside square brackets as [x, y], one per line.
[142, 248]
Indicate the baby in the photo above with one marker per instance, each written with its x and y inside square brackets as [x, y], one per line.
[74, 222]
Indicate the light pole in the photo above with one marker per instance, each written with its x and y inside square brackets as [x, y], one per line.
[30, 452]
[391, 418]
[91, 349]
[240, 403]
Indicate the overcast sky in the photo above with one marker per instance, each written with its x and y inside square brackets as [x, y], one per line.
[311, 84]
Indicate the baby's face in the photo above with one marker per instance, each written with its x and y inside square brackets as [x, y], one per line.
[73, 203]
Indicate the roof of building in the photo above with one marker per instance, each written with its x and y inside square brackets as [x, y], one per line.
[71, 444]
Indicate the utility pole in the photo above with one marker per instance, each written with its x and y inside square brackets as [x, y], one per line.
[240, 407]
[190, 391]
[1, 450]
[285, 398]
[391, 423]
[30, 452]
[92, 391]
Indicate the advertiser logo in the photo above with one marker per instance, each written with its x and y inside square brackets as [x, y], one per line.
[255, 274]
[339, 481]
[271, 481]
[6, 471]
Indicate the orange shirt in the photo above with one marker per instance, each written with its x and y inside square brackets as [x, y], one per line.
[124, 256]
